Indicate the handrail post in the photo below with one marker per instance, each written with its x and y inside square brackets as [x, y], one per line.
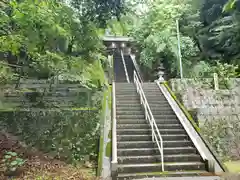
[162, 158]
[152, 131]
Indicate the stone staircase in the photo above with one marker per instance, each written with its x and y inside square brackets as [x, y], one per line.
[138, 156]
[129, 66]
[119, 71]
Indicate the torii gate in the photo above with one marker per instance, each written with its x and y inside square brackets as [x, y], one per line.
[119, 42]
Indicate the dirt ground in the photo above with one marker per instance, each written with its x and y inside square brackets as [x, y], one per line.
[39, 166]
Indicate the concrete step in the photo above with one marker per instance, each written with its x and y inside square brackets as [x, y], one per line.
[180, 166]
[120, 78]
[181, 175]
[151, 98]
[143, 121]
[168, 137]
[130, 93]
[128, 108]
[163, 112]
[129, 104]
[158, 103]
[161, 108]
[157, 158]
[151, 144]
[126, 92]
[153, 107]
[142, 116]
[131, 117]
[165, 116]
[155, 151]
[150, 85]
[127, 96]
[153, 93]
[146, 126]
[139, 112]
[126, 101]
[124, 85]
[166, 111]
[152, 89]
[148, 131]
[134, 94]
[125, 88]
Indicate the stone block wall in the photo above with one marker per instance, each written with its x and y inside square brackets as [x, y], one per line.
[217, 112]
[198, 95]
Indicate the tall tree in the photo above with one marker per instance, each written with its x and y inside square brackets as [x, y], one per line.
[99, 11]
[44, 39]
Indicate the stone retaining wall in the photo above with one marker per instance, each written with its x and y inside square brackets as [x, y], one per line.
[217, 112]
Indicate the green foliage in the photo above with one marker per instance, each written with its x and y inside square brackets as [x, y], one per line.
[157, 34]
[229, 5]
[225, 72]
[48, 39]
[223, 135]
[201, 70]
[207, 33]
[66, 134]
[54, 41]
[6, 74]
[11, 162]
[99, 11]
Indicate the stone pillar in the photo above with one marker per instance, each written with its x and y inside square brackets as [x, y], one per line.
[160, 73]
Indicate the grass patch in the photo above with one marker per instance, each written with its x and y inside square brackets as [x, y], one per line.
[109, 145]
[233, 166]
[109, 149]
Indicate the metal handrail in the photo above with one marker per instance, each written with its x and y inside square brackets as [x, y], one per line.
[114, 127]
[125, 68]
[136, 67]
[156, 136]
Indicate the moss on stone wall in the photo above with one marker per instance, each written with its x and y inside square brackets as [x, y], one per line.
[187, 114]
[109, 145]
[209, 134]
[106, 103]
[65, 134]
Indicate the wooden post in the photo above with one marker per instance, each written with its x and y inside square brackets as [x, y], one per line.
[216, 84]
